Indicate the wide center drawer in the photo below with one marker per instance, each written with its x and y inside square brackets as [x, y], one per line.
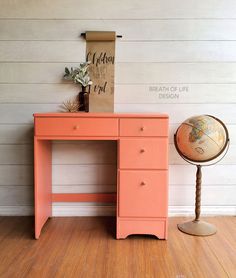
[144, 127]
[143, 193]
[150, 153]
[76, 127]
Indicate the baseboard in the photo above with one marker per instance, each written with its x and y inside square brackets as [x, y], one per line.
[83, 209]
[16, 210]
[109, 210]
[205, 210]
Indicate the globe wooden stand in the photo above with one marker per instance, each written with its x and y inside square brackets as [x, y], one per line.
[197, 227]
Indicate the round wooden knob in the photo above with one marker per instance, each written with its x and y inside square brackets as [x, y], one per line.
[143, 183]
[142, 128]
[142, 150]
[76, 127]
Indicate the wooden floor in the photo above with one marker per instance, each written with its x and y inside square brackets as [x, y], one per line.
[85, 247]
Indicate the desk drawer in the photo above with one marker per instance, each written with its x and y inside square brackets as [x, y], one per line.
[143, 193]
[150, 153]
[144, 127]
[76, 127]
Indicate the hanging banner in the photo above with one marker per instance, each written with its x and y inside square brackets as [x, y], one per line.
[100, 51]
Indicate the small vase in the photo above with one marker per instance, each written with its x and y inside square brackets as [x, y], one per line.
[83, 99]
[86, 102]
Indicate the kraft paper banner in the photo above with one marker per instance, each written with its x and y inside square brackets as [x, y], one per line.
[100, 51]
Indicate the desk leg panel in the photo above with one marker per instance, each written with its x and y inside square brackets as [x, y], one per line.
[42, 183]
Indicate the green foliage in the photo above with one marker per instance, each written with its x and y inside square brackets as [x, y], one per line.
[79, 75]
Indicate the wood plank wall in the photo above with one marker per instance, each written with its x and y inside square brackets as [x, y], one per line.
[166, 44]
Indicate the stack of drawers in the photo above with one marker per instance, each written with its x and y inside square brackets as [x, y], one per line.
[142, 205]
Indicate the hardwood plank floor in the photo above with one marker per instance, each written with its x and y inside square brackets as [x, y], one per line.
[86, 247]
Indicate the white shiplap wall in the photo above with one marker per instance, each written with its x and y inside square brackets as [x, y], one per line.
[181, 43]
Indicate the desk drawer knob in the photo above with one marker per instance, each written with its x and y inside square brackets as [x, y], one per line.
[142, 150]
[143, 183]
[142, 128]
[76, 127]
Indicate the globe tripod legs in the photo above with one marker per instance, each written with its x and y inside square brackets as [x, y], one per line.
[197, 227]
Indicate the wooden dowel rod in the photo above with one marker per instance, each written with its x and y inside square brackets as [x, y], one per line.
[83, 35]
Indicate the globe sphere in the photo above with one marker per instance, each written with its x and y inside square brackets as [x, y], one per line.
[201, 138]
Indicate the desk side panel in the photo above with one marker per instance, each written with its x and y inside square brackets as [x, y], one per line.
[42, 183]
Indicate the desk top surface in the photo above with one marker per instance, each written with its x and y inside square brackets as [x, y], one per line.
[100, 115]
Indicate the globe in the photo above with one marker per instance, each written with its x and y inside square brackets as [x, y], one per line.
[201, 138]
[198, 140]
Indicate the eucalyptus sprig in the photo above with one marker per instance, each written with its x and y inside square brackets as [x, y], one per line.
[79, 75]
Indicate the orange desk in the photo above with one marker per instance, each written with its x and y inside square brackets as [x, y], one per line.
[142, 174]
